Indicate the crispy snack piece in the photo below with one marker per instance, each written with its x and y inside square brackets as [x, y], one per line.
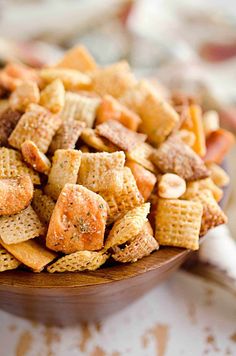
[187, 137]
[65, 168]
[134, 96]
[173, 156]
[119, 135]
[4, 105]
[218, 145]
[212, 214]
[15, 74]
[67, 135]
[196, 187]
[43, 205]
[145, 180]
[90, 137]
[195, 125]
[110, 108]
[113, 80]
[142, 154]
[171, 186]
[21, 227]
[158, 118]
[78, 220]
[211, 122]
[15, 194]
[31, 254]
[72, 79]
[178, 223]
[102, 171]
[34, 157]
[25, 94]
[53, 96]
[37, 125]
[128, 226]
[8, 121]
[121, 201]
[12, 165]
[7, 261]
[79, 261]
[80, 107]
[218, 175]
[142, 245]
[77, 58]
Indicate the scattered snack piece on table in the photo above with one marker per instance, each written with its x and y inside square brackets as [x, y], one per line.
[34, 157]
[97, 164]
[78, 221]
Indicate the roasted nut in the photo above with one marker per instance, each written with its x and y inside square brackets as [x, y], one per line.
[171, 186]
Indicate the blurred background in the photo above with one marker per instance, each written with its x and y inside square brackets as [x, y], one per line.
[188, 46]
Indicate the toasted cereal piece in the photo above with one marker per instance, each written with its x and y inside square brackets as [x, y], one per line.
[102, 171]
[34, 157]
[195, 125]
[21, 227]
[78, 220]
[84, 149]
[212, 214]
[12, 165]
[65, 167]
[218, 175]
[174, 156]
[7, 261]
[142, 245]
[90, 137]
[187, 137]
[15, 194]
[121, 201]
[211, 122]
[158, 117]
[218, 145]
[142, 154]
[52, 97]
[77, 58]
[80, 107]
[196, 187]
[134, 96]
[79, 261]
[128, 226]
[37, 125]
[110, 108]
[171, 186]
[114, 80]
[119, 135]
[25, 94]
[145, 180]
[67, 135]
[178, 223]
[8, 121]
[43, 205]
[15, 74]
[31, 254]
[72, 79]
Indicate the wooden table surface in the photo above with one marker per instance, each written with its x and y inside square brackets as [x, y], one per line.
[184, 316]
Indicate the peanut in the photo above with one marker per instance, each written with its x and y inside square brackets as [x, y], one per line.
[171, 186]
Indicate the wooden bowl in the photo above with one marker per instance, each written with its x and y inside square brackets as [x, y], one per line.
[68, 298]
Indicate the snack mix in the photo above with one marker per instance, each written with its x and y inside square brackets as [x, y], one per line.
[96, 165]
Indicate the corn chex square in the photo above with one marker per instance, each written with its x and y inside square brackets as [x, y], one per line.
[178, 223]
[43, 205]
[7, 261]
